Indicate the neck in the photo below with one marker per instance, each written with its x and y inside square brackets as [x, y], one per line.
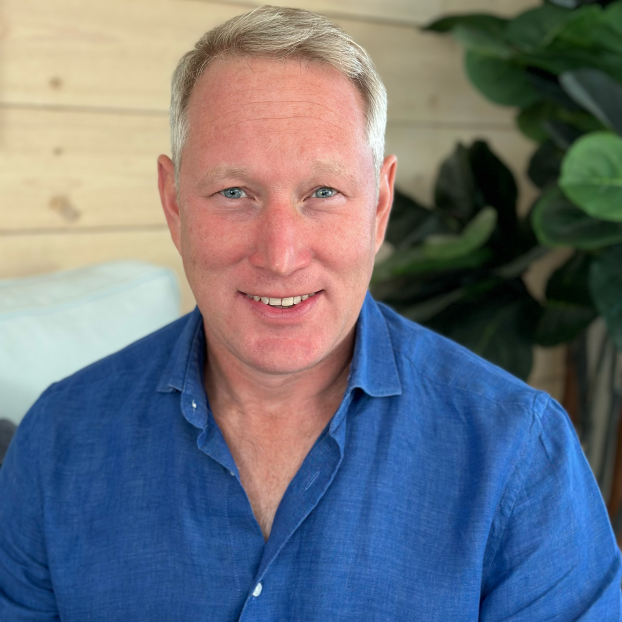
[251, 400]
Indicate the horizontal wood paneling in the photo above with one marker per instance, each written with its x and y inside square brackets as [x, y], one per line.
[113, 54]
[24, 255]
[400, 11]
[80, 170]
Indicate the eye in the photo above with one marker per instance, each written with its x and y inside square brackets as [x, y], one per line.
[324, 193]
[233, 193]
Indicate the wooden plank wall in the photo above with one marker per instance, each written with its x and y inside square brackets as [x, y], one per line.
[84, 91]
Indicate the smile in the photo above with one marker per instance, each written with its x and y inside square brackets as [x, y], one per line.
[281, 303]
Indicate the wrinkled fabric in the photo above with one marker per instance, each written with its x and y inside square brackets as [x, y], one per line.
[443, 489]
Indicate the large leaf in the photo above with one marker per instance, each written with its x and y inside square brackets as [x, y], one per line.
[545, 164]
[598, 93]
[531, 121]
[561, 322]
[497, 325]
[455, 191]
[606, 288]
[496, 183]
[407, 215]
[474, 236]
[569, 309]
[535, 29]
[547, 85]
[577, 31]
[570, 282]
[607, 35]
[592, 175]
[502, 81]
[557, 222]
[483, 41]
[479, 21]
[416, 261]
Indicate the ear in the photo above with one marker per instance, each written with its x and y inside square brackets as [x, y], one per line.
[386, 181]
[168, 197]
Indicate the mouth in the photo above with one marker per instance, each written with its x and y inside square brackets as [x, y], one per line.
[280, 303]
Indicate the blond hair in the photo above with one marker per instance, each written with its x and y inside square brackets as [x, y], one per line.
[280, 33]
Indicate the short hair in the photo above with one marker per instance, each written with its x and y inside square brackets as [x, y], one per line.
[280, 33]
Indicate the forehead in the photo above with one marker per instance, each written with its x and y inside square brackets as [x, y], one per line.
[264, 100]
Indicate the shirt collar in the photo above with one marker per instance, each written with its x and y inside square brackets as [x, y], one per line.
[373, 368]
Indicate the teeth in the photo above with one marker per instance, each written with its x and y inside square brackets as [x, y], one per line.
[283, 303]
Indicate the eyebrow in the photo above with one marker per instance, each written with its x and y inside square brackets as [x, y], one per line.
[217, 173]
[224, 172]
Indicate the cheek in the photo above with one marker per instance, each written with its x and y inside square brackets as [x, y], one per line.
[349, 244]
[212, 242]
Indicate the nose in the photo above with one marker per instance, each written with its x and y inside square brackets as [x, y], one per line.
[281, 244]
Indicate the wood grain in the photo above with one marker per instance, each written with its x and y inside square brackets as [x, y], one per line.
[114, 54]
[79, 169]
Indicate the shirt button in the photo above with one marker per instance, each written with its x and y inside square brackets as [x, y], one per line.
[258, 589]
[194, 404]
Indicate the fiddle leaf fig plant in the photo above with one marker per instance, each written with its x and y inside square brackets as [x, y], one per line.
[560, 66]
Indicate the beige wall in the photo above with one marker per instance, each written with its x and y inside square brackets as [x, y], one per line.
[84, 88]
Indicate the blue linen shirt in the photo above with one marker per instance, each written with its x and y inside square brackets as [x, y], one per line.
[443, 489]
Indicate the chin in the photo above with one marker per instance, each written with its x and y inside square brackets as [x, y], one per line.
[284, 358]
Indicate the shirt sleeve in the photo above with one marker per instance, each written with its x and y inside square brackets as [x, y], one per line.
[26, 593]
[552, 554]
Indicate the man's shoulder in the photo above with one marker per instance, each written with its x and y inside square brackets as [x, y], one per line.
[105, 386]
[146, 357]
[451, 370]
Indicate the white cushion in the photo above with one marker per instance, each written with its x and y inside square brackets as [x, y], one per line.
[54, 324]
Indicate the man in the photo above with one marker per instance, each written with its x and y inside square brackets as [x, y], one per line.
[291, 450]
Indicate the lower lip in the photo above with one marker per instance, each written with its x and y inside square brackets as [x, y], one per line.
[283, 315]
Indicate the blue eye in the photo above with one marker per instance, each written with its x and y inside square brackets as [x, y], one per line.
[324, 193]
[233, 193]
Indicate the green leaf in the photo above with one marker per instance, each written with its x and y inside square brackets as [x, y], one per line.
[407, 215]
[498, 325]
[577, 31]
[479, 21]
[557, 222]
[592, 175]
[569, 309]
[606, 288]
[502, 81]
[416, 261]
[495, 183]
[483, 41]
[607, 35]
[531, 120]
[570, 282]
[545, 164]
[535, 29]
[561, 322]
[598, 93]
[474, 235]
[454, 191]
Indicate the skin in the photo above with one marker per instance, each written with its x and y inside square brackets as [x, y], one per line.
[306, 215]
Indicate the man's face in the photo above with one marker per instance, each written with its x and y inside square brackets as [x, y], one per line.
[277, 199]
